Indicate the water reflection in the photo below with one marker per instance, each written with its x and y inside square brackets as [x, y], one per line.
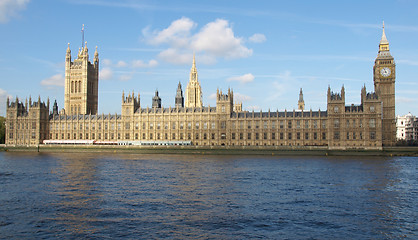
[219, 197]
[78, 197]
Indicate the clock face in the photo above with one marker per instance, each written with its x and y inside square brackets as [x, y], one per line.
[385, 72]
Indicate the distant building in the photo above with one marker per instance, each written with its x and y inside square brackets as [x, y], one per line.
[407, 127]
[369, 125]
[404, 126]
[415, 130]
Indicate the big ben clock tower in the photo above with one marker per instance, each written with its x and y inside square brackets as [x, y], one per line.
[384, 85]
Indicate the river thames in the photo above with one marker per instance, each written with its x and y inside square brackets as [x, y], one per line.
[132, 196]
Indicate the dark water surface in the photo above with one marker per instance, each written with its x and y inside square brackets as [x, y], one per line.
[103, 196]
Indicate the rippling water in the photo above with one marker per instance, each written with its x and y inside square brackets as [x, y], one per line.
[103, 196]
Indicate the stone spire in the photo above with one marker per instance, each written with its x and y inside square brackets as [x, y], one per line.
[96, 57]
[301, 102]
[384, 40]
[179, 100]
[193, 71]
[68, 54]
[156, 100]
[384, 43]
[55, 108]
[193, 90]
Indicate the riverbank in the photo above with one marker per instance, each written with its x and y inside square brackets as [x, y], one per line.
[224, 150]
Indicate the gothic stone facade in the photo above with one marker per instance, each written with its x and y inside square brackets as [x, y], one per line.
[365, 126]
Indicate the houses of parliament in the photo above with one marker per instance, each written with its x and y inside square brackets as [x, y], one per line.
[369, 125]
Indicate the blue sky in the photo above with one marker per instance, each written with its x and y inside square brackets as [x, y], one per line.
[264, 50]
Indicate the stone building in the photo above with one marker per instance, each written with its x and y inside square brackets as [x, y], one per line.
[81, 82]
[407, 127]
[369, 125]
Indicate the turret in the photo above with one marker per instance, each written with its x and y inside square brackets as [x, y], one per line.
[336, 101]
[55, 108]
[96, 58]
[156, 100]
[224, 102]
[301, 102]
[179, 100]
[129, 104]
[68, 54]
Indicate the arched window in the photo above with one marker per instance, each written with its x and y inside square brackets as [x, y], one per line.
[72, 86]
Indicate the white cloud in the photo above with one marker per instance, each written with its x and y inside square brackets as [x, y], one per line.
[238, 97]
[257, 38]
[217, 38]
[121, 64]
[174, 56]
[214, 40]
[142, 64]
[10, 8]
[278, 89]
[57, 80]
[106, 62]
[177, 34]
[246, 78]
[125, 77]
[105, 74]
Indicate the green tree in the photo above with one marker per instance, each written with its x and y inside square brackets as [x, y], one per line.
[2, 129]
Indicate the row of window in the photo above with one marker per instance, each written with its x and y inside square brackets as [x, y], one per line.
[355, 136]
[354, 123]
[196, 136]
[24, 136]
[372, 109]
[189, 125]
[22, 126]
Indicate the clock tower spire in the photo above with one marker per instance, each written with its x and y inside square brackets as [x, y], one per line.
[384, 85]
[384, 44]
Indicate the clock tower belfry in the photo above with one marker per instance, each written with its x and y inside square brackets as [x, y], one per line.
[384, 84]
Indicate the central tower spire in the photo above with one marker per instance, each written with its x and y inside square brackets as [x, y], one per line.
[193, 71]
[193, 90]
